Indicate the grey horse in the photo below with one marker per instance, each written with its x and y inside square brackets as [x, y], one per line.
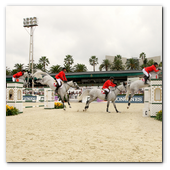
[46, 79]
[138, 84]
[22, 79]
[96, 93]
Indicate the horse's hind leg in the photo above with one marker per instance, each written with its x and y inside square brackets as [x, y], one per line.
[130, 96]
[87, 105]
[88, 102]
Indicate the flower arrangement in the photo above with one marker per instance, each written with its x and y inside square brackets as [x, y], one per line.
[159, 115]
[58, 105]
[11, 110]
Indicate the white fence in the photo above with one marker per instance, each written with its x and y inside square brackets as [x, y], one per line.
[153, 98]
[14, 97]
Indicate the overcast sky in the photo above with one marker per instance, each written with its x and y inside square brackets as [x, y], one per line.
[83, 31]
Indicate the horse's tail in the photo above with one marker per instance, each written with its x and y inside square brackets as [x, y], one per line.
[85, 93]
[128, 91]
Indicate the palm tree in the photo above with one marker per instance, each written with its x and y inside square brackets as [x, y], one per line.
[132, 64]
[100, 67]
[14, 71]
[80, 68]
[144, 63]
[19, 67]
[105, 64]
[44, 61]
[68, 61]
[117, 63]
[93, 61]
[142, 56]
[55, 68]
[34, 66]
[39, 66]
[150, 62]
[8, 71]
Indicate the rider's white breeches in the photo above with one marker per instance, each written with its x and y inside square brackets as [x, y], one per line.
[59, 81]
[13, 79]
[146, 73]
[106, 90]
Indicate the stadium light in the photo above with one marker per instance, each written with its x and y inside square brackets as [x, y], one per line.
[30, 23]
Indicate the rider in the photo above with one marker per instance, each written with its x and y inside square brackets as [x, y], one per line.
[17, 75]
[106, 85]
[147, 71]
[60, 77]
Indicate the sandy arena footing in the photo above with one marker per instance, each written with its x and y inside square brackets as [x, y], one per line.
[55, 135]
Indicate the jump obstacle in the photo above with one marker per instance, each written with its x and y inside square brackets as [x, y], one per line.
[153, 98]
[14, 97]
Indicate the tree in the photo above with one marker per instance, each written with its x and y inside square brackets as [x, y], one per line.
[55, 68]
[8, 71]
[132, 64]
[14, 71]
[80, 68]
[142, 56]
[117, 63]
[39, 66]
[93, 61]
[19, 67]
[105, 64]
[144, 63]
[160, 64]
[34, 66]
[150, 62]
[68, 61]
[100, 67]
[44, 61]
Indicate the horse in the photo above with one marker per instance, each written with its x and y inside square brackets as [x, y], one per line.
[97, 93]
[22, 79]
[45, 79]
[138, 84]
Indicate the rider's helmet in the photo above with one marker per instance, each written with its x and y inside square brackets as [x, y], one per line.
[155, 63]
[111, 78]
[63, 68]
[23, 70]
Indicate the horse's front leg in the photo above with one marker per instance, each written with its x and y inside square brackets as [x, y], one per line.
[115, 107]
[62, 100]
[107, 109]
[67, 97]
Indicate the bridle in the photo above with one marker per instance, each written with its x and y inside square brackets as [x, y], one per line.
[119, 89]
[71, 85]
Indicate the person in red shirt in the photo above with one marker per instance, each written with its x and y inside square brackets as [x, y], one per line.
[60, 77]
[147, 71]
[106, 86]
[17, 75]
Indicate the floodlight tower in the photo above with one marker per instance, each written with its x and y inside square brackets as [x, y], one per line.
[30, 23]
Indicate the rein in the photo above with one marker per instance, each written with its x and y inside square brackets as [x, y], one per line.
[118, 89]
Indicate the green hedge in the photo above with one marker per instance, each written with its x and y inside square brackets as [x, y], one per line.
[159, 115]
[10, 111]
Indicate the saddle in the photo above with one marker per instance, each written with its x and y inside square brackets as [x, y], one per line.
[102, 91]
[56, 84]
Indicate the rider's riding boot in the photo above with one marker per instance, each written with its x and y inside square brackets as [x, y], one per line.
[146, 78]
[106, 93]
[56, 90]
